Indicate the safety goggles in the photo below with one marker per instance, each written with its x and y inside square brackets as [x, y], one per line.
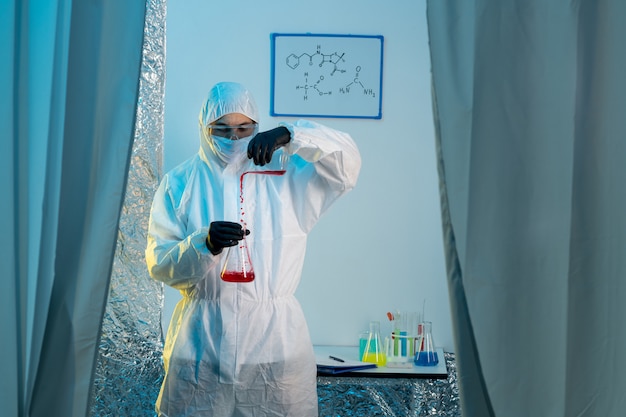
[232, 132]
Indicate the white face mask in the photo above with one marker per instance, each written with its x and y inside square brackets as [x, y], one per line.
[229, 150]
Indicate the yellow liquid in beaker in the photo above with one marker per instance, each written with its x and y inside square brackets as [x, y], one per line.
[379, 359]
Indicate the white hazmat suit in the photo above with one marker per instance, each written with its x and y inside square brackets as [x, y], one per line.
[243, 349]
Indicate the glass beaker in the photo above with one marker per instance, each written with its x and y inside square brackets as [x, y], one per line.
[279, 161]
[426, 354]
[238, 267]
[276, 166]
[374, 350]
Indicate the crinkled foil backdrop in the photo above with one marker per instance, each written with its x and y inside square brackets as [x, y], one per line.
[129, 370]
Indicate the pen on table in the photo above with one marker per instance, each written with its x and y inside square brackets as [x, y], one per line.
[336, 358]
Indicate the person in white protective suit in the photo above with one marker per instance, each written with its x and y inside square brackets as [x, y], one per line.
[243, 349]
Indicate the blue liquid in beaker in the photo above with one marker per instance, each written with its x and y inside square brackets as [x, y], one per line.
[426, 359]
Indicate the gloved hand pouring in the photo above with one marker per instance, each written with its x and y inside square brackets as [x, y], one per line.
[263, 145]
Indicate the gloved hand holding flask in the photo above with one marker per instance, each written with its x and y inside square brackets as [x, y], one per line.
[224, 234]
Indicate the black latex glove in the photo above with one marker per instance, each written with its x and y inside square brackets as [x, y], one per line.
[223, 234]
[262, 146]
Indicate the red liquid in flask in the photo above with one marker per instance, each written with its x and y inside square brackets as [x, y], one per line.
[238, 276]
[241, 269]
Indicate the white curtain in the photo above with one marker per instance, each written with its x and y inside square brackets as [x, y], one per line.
[69, 80]
[530, 113]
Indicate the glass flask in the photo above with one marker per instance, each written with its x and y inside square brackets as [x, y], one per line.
[238, 267]
[426, 354]
[374, 351]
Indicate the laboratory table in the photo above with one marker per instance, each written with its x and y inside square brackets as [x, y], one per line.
[389, 391]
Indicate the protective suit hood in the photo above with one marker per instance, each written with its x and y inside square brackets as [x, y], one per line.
[225, 98]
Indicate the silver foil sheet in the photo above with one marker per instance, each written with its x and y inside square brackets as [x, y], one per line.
[129, 367]
[372, 397]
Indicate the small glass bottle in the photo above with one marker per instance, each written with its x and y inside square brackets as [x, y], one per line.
[426, 354]
[374, 352]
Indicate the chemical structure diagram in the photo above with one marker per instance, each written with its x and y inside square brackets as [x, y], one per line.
[317, 67]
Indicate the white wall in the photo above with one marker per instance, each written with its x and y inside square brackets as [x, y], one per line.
[379, 248]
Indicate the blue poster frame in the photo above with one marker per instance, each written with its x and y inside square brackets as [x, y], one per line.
[349, 81]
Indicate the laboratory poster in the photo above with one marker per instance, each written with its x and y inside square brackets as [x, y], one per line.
[319, 75]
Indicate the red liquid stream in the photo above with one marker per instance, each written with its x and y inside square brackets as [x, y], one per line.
[245, 276]
[280, 172]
